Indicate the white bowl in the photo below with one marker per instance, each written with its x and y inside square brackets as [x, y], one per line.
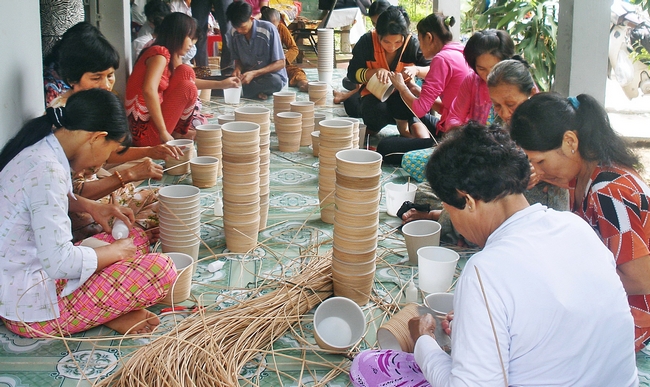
[339, 323]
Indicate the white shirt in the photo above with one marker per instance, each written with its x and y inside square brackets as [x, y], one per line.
[559, 310]
[35, 234]
[180, 6]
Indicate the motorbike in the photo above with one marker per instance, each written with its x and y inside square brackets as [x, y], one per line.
[629, 45]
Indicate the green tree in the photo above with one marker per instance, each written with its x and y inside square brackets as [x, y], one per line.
[532, 25]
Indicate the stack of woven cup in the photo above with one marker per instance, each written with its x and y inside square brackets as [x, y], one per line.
[208, 142]
[355, 131]
[281, 101]
[358, 174]
[225, 118]
[241, 185]
[288, 128]
[306, 108]
[179, 213]
[261, 116]
[318, 93]
[325, 54]
[335, 135]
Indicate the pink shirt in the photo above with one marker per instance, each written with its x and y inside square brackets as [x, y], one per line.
[446, 72]
[472, 102]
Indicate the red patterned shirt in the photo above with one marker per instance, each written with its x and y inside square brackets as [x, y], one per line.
[616, 206]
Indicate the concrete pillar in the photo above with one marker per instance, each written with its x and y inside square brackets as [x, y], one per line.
[113, 18]
[450, 8]
[582, 46]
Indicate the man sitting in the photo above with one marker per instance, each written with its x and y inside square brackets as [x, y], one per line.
[297, 77]
[257, 51]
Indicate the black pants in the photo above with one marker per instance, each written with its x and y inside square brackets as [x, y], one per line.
[200, 11]
[265, 84]
[352, 105]
[393, 148]
[376, 114]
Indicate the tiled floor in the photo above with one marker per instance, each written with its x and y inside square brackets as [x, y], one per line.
[294, 226]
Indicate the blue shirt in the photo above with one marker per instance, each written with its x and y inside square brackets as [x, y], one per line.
[263, 49]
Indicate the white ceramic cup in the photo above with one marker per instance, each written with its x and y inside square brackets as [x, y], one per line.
[397, 194]
[436, 268]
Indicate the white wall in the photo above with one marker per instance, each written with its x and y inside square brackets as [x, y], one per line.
[21, 75]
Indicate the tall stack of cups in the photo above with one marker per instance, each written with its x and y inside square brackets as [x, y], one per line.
[325, 54]
[358, 174]
[355, 131]
[180, 219]
[208, 142]
[318, 92]
[261, 116]
[281, 101]
[241, 185]
[306, 108]
[288, 128]
[335, 135]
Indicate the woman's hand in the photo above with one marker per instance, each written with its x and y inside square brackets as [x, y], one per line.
[164, 137]
[383, 75]
[398, 81]
[446, 323]
[144, 170]
[102, 213]
[421, 326]
[117, 251]
[231, 82]
[163, 151]
[534, 178]
[414, 214]
[410, 71]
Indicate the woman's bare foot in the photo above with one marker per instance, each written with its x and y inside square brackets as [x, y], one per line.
[140, 321]
[340, 96]
[153, 234]
[303, 86]
[262, 96]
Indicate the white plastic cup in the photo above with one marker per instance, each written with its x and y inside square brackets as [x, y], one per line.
[397, 194]
[420, 233]
[436, 268]
[232, 95]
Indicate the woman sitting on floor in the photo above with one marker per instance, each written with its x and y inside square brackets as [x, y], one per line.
[48, 286]
[510, 84]
[571, 144]
[161, 92]
[540, 305]
[87, 63]
[390, 47]
[442, 80]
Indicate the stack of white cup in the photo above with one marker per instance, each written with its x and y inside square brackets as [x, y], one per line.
[325, 54]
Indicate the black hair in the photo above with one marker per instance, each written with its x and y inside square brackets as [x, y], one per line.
[378, 7]
[513, 72]
[93, 110]
[239, 12]
[437, 24]
[539, 124]
[173, 30]
[269, 14]
[78, 31]
[88, 53]
[155, 11]
[479, 161]
[393, 21]
[491, 41]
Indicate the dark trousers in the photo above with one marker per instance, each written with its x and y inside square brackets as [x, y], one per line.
[200, 11]
[377, 114]
[352, 105]
[393, 148]
[264, 84]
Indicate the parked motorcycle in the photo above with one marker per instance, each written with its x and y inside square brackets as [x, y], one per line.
[629, 35]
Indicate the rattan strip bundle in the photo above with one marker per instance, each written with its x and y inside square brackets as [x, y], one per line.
[210, 347]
